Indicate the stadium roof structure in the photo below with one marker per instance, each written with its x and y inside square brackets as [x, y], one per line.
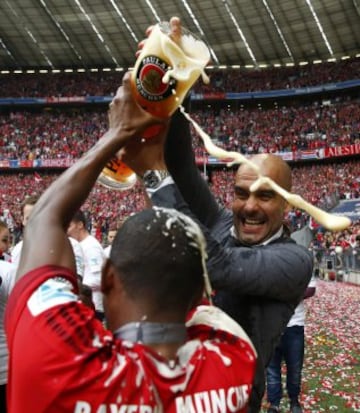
[60, 34]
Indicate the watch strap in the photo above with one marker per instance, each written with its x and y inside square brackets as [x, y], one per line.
[156, 179]
[160, 173]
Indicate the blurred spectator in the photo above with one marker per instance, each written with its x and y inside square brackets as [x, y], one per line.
[5, 242]
[110, 238]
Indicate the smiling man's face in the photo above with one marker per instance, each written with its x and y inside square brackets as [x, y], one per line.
[259, 215]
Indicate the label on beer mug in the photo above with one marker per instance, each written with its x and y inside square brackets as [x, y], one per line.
[165, 70]
[148, 79]
[117, 169]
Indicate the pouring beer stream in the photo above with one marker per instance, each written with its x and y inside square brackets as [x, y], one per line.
[329, 221]
[164, 72]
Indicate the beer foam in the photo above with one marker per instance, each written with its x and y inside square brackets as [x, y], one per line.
[194, 235]
[214, 150]
[329, 221]
[188, 57]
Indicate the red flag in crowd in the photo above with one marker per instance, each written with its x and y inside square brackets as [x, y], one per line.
[37, 177]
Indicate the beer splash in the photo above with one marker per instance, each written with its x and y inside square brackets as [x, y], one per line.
[329, 221]
[187, 57]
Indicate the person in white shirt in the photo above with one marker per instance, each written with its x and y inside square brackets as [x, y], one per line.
[7, 280]
[85, 293]
[79, 257]
[94, 257]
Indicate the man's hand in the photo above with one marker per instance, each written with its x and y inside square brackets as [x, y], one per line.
[175, 33]
[143, 154]
[126, 117]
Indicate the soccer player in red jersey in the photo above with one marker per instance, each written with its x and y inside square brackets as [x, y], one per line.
[151, 358]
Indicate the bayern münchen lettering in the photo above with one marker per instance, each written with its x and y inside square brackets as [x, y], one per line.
[214, 401]
[85, 407]
[227, 400]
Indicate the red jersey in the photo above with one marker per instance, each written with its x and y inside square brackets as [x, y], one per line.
[62, 359]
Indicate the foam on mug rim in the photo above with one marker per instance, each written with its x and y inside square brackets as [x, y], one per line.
[180, 54]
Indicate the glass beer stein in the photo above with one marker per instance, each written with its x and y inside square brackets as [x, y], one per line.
[117, 175]
[164, 72]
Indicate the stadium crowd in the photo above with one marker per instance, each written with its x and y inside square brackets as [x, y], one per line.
[58, 133]
[250, 80]
[104, 83]
[282, 129]
[68, 134]
[320, 184]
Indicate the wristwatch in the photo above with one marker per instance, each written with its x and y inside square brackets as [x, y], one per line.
[153, 178]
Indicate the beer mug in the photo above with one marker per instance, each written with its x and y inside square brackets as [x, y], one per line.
[117, 175]
[164, 72]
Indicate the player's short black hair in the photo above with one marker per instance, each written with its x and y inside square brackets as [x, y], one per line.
[159, 254]
[79, 216]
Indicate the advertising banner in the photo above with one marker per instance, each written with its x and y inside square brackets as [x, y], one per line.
[345, 150]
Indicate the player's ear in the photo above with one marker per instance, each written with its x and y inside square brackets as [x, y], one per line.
[108, 273]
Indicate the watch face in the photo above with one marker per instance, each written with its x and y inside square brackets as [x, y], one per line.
[152, 179]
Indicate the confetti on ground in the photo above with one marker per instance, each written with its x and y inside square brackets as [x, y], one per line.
[331, 374]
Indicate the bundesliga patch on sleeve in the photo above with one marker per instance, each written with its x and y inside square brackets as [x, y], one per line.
[51, 293]
[95, 263]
